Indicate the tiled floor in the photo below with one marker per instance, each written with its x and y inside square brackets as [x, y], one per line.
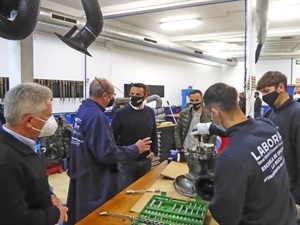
[60, 184]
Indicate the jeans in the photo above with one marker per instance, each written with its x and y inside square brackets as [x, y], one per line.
[132, 170]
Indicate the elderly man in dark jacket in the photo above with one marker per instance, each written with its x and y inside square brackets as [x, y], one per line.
[25, 194]
[188, 118]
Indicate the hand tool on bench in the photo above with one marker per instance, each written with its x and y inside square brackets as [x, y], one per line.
[116, 215]
[142, 191]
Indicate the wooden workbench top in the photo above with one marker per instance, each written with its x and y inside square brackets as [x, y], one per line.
[123, 202]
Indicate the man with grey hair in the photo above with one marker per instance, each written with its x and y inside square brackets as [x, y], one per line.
[296, 93]
[25, 194]
[94, 155]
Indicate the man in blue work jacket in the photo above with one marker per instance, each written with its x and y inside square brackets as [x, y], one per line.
[94, 155]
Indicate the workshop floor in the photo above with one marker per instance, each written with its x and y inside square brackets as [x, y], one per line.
[60, 184]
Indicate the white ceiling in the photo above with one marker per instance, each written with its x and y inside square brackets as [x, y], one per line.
[222, 22]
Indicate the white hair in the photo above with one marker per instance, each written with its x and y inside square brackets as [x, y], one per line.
[25, 98]
[296, 87]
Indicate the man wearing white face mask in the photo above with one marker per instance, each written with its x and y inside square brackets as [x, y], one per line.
[25, 195]
[297, 93]
[251, 169]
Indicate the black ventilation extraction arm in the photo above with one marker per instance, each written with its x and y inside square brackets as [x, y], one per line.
[18, 18]
[87, 35]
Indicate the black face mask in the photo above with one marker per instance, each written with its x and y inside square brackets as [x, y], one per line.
[270, 98]
[136, 100]
[111, 102]
[197, 106]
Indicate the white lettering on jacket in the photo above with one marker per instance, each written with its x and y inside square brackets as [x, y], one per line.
[264, 147]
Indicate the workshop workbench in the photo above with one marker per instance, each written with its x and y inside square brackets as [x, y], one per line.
[123, 202]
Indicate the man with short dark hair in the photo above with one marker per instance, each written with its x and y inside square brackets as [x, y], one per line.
[251, 182]
[94, 155]
[242, 102]
[257, 105]
[130, 123]
[285, 114]
[188, 118]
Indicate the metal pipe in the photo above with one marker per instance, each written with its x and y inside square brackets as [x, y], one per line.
[164, 7]
[114, 33]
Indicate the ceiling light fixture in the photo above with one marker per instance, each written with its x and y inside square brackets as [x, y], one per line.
[180, 24]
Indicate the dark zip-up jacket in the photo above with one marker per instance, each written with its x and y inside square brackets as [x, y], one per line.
[287, 119]
[25, 197]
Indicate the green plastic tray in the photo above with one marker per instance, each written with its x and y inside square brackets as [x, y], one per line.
[163, 210]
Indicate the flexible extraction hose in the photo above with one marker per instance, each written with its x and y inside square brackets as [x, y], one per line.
[88, 34]
[21, 25]
[159, 110]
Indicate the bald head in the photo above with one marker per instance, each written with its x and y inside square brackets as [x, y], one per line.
[99, 86]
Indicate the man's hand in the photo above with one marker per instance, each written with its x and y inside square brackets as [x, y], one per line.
[144, 145]
[63, 213]
[55, 200]
[151, 155]
[201, 128]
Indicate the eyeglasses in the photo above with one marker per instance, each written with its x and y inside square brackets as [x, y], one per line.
[113, 94]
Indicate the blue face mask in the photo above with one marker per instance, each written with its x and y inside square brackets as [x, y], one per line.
[220, 127]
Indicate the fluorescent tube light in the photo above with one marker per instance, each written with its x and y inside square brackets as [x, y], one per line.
[181, 24]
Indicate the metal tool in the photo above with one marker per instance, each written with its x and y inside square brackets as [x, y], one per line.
[174, 207]
[159, 205]
[116, 215]
[60, 90]
[142, 191]
[175, 121]
[152, 203]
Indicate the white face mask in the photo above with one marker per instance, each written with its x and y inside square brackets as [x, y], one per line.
[296, 96]
[49, 127]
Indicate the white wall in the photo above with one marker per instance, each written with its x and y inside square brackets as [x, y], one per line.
[234, 76]
[4, 68]
[130, 66]
[55, 60]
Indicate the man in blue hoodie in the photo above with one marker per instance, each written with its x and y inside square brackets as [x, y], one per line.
[251, 180]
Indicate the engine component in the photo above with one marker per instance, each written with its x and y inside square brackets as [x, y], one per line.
[200, 179]
[205, 187]
[185, 185]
